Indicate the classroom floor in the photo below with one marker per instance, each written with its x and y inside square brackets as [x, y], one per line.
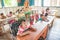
[54, 32]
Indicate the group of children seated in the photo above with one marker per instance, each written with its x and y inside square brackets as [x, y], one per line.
[24, 28]
[2, 16]
[25, 25]
[29, 20]
[43, 16]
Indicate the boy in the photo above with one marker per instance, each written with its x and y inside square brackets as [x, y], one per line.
[42, 17]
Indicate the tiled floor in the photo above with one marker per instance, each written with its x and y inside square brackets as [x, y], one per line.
[54, 33]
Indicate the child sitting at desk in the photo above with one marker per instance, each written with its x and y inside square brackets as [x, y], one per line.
[43, 18]
[23, 28]
[10, 14]
[47, 12]
[2, 16]
[36, 16]
[31, 19]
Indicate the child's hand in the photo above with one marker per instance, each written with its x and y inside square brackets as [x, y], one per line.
[25, 33]
[33, 29]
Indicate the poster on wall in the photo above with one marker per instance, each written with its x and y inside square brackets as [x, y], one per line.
[10, 3]
[31, 2]
[21, 2]
[18, 1]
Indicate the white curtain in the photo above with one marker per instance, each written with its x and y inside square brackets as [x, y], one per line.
[46, 3]
[37, 2]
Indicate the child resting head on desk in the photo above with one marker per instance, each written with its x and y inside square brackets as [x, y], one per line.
[43, 18]
[47, 12]
[23, 28]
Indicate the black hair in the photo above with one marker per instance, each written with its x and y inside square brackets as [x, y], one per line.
[10, 12]
[47, 8]
[1, 14]
[46, 14]
[26, 14]
[41, 15]
[18, 10]
[22, 20]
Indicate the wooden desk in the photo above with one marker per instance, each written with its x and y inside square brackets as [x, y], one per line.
[51, 20]
[42, 29]
[35, 35]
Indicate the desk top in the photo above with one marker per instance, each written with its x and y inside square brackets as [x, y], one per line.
[50, 18]
[33, 35]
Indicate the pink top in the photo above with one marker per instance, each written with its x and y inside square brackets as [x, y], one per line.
[21, 29]
[9, 15]
[36, 16]
[12, 21]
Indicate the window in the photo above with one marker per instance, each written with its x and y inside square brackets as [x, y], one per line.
[51, 3]
[46, 3]
[10, 3]
[58, 2]
[38, 2]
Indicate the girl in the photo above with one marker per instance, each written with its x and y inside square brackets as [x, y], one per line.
[23, 28]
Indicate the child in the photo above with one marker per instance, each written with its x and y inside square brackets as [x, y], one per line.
[22, 28]
[10, 14]
[47, 12]
[27, 17]
[11, 21]
[42, 17]
[2, 16]
[36, 16]
[42, 11]
[31, 19]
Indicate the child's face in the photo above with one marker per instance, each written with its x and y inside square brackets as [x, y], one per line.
[47, 10]
[27, 16]
[23, 22]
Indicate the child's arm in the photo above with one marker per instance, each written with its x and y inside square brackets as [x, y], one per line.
[24, 33]
[33, 29]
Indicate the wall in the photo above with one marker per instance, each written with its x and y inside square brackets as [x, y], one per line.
[21, 3]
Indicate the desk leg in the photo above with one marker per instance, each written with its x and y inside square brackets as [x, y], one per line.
[44, 34]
